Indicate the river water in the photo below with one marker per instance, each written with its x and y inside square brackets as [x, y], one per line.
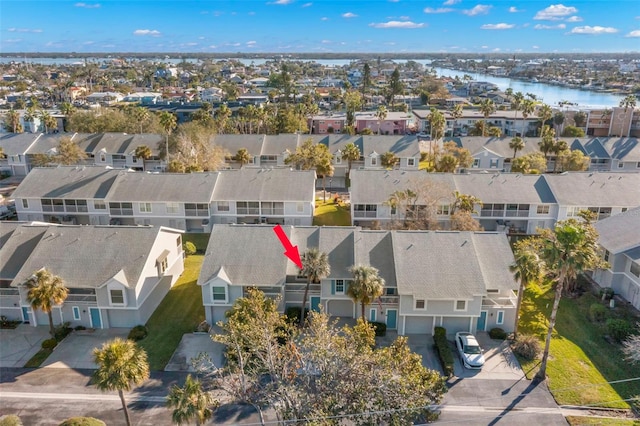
[547, 93]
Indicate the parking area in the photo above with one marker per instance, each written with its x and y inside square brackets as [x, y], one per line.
[193, 344]
[18, 345]
[500, 362]
[76, 350]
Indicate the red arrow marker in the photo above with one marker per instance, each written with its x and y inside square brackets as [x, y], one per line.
[290, 251]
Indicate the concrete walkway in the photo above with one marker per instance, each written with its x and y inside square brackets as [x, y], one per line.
[17, 346]
[76, 350]
[191, 345]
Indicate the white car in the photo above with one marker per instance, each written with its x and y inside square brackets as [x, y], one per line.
[469, 350]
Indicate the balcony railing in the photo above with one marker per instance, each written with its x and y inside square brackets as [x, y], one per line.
[121, 212]
[9, 292]
[519, 213]
[492, 213]
[360, 213]
[272, 212]
[248, 211]
[196, 212]
[88, 298]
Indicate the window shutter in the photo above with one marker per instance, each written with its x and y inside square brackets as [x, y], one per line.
[347, 283]
[333, 286]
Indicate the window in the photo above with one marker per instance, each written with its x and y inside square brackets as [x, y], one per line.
[145, 207]
[99, 205]
[574, 210]
[635, 269]
[476, 163]
[103, 157]
[193, 209]
[219, 294]
[390, 291]
[338, 159]
[300, 207]
[606, 255]
[76, 313]
[272, 208]
[542, 210]
[421, 304]
[620, 165]
[339, 286]
[25, 203]
[374, 161]
[121, 209]
[163, 264]
[443, 209]
[223, 206]
[248, 207]
[624, 209]
[493, 163]
[365, 210]
[173, 208]
[116, 296]
[461, 305]
[638, 165]
[500, 318]
[411, 162]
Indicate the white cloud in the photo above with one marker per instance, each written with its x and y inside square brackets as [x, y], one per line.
[549, 27]
[574, 19]
[13, 40]
[438, 10]
[307, 5]
[514, 9]
[24, 30]
[251, 43]
[484, 47]
[213, 46]
[501, 26]
[593, 30]
[153, 33]
[451, 2]
[87, 5]
[192, 43]
[282, 2]
[349, 15]
[87, 43]
[635, 33]
[405, 18]
[555, 12]
[480, 9]
[497, 49]
[397, 24]
[535, 47]
[326, 42]
[324, 18]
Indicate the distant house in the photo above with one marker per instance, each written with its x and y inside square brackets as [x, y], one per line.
[458, 280]
[105, 98]
[620, 240]
[116, 276]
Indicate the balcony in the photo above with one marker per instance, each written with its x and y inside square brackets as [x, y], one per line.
[121, 212]
[196, 212]
[358, 213]
[9, 292]
[492, 213]
[518, 213]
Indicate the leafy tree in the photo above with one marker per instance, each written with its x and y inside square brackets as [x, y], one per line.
[572, 160]
[242, 156]
[193, 152]
[221, 119]
[419, 204]
[388, 160]
[527, 268]
[567, 250]
[191, 402]
[463, 221]
[46, 290]
[534, 163]
[452, 157]
[12, 121]
[310, 156]
[350, 153]
[580, 119]
[516, 104]
[516, 144]
[494, 131]
[558, 120]
[315, 266]
[366, 78]
[143, 152]
[456, 113]
[140, 115]
[366, 287]
[121, 364]
[437, 123]
[572, 132]
[465, 203]
[353, 102]
[395, 86]
[69, 152]
[631, 348]
[487, 107]
[168, 121]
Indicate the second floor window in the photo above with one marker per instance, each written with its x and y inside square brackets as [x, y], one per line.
[145, 207]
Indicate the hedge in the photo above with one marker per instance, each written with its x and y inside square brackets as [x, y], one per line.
[444, 350]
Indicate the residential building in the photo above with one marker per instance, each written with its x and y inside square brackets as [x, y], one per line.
[510, 123]
[615, 121]
[116, 276]
[458, 280]
[118, 150]
[619, 237]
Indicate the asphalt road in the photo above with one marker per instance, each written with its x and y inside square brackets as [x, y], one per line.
[39, 398]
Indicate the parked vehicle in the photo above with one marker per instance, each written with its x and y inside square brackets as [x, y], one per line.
[469, 350]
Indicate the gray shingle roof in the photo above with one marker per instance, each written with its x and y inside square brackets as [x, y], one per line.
[17, 242]
[494, 256]
[77, 182]
[162, 187]
[88, 256]
[625, 149]
[233, 143]
[590, 189]
[500, 146]
[277, 144]
[338, 142]
[338, 243]
[17, 143]
[401, 146]
[374, 248]
[620, 232]
[375, 186]
[504, 187]
[252, 184]
[118, 143]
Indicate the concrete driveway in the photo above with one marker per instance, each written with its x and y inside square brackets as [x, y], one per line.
[17, 346]
[76, 350]
[191, 345]
[500, 362]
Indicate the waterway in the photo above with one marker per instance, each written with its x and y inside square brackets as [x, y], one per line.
[549, 94]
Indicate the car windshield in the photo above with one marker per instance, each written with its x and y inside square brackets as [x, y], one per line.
[472, 350]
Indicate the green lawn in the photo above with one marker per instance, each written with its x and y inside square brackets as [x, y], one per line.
[200, 239]
[179, 312]
[584, 421]
[581, 361]
[330, 214]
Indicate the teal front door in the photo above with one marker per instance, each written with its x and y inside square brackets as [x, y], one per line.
[25, 314]
[482, 321]
[96, 321]
[315, 303]
[392, 318]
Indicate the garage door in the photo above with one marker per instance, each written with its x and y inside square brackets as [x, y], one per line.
[418, 325]
[455, 324]
[340, 308]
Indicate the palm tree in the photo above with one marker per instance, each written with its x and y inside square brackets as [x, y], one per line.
[12, 121]
[45, 291]
[516, 144]
[528, 106]
[388, 160]
[545, 113]
[569, 249]
[191, 401]
[50, 123]
[546, 144]
[121, 364]
[381, 115]
[168, 122]
[518, 98]
[437, 123]
[487, 107]
[526, 268]
[140, 114]
[629, 101]
[366, 287]
[455, 113]
[315, 266]
[143, 152]
[30, 116]
[350, 153]
[242, 156]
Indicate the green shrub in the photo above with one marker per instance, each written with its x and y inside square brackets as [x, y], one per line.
[137, 333]
[82, 421]
[189, 248]
[10, 420]
[444, 350]
[293, 313]
[80, 328]
[526, 346]
[49, 343]
[62, 331]
[606, 293]
[619, 329]
[380, 328]
[497, 333]
[597, 312]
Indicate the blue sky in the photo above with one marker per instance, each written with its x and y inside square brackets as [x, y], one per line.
[320, 26]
